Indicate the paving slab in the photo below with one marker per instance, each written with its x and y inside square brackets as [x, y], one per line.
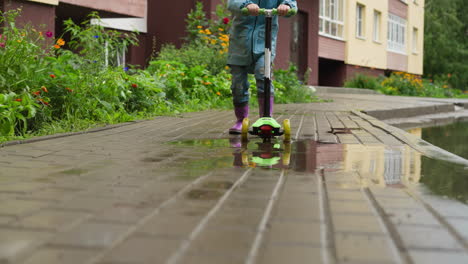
[181, 190]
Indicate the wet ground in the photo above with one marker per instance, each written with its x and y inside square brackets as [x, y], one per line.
[181, 190]
[442, 177]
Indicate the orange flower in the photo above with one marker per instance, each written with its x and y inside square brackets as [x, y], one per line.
[18, 100]
[218, 93]
[56, 46]
[60, 42]
[134, 85]
[52, 76]
[449, 75]
[43, 88]
[68, 89]
[43, 102]
[36, 93]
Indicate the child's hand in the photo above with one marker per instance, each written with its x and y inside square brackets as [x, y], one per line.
[283, 10]
[253, 9]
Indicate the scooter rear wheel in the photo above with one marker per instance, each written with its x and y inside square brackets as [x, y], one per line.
[287, 130]
[245, 129]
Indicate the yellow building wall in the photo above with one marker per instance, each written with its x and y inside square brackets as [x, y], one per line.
[365, 51]
[415, 20]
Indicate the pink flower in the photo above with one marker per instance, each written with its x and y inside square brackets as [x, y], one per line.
[225, 20]
[2, 45]
[49, 34]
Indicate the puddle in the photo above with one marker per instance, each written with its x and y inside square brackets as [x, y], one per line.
[442, 177]
[376, 165]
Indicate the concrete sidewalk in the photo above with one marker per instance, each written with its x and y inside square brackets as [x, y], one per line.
[181, 190]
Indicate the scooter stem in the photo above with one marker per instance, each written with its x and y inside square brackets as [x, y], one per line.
[268, 60]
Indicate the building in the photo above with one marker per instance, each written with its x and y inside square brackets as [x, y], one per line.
[336, 39]
[369, 36]
[51, 14]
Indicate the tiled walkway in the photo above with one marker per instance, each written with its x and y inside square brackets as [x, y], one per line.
[181, 190]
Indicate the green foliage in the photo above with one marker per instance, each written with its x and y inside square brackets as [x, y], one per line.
[194, 54]
[21, 55]
[207, 41]
[96, 45]
[288, 88]
[400, 83]
[182, 84]
[364, 81]
[446, 42]
[47, 89]
[14, 111]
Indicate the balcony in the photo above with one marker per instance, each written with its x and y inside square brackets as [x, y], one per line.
[116, 8]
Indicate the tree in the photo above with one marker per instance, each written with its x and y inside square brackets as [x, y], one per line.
[446, 42]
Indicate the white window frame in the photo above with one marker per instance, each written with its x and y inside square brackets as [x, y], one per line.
[331, 19]
[396, 34]
[360, 21]
[377, 26]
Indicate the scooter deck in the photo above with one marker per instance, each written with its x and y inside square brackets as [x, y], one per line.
[273, 128]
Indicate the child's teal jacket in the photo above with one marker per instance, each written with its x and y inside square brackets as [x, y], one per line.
[247, 35]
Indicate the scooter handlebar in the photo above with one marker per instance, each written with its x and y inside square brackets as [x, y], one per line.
[274, 11]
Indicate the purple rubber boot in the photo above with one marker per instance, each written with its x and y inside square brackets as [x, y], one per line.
[241, 113]
[261, 104]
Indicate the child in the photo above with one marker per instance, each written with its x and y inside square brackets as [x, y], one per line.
[246, 52]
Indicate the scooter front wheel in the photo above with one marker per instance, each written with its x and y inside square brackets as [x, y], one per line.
[245, 129]
[287, 130]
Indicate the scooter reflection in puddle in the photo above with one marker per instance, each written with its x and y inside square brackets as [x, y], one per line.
[267, 154]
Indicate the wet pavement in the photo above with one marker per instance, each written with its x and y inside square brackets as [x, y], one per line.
[347, 189]
[441, 177]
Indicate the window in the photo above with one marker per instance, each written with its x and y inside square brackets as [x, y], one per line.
[415, 40]
[377, 23]
[396, 34]
[360, 11]
[331, 18]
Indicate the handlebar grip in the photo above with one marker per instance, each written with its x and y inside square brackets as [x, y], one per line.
[274, 11]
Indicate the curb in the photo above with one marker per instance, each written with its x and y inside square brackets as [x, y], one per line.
[411, 111]
[341, 90]
[416, 143]
[69, 134]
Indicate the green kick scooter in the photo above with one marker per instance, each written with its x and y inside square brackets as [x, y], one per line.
[267, 127]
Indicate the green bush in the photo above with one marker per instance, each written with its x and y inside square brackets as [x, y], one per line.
[364, 81]
[22, 53]
[401, 83]
[289, 89]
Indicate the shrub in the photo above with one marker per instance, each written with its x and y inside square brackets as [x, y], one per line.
[400, 83]
[22, 52]
[288, 88]
[207, 41]
[364, 82]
